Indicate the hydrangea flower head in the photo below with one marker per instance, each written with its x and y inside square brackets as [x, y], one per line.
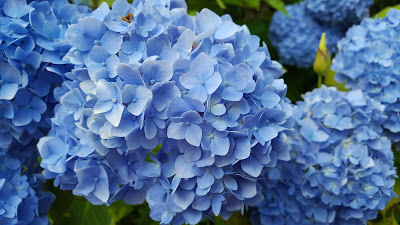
[341, 168]
[368, 59]
[32, 45]
[343, 12]
[147, 74]
[297, 37]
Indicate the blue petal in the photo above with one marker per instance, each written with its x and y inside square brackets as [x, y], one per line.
[115, 114]
[227, 29]
[206, 20]
[111, 41]
[176, 131]
[201, 203]
[93, 27]
[16, 8]
[98, 54]
[183, 198]
[220, 146]
[183, 169]
[192, 216]
[193, 135]
[206, 180]
[251, 166]
[102, 107]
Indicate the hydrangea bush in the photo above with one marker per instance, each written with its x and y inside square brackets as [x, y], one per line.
[200, 87]
[341, 168]
[343, 12]
[368, 59]
[151, 102]
[296, 36]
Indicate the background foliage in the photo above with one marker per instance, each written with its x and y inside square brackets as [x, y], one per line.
[256, 14]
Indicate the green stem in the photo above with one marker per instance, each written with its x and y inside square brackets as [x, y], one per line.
[319, 81]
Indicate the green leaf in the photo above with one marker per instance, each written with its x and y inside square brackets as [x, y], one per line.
[255, 4]
[82, 212]
[60, 205]
[386, 221]
[119, 210]
[192, 12]
[278, 5]
[330, 81]
[384, 11]
[219, 221]
[221, 4]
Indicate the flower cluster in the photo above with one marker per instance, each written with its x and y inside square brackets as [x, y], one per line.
[344, 12]
[32, 45]
[31, 48]
[369, 59]
[341, 169]
[22, 200]
[199, 87]
[297, 37]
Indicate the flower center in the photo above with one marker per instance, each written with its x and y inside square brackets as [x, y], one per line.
[202, 83]
[114, 100]
[96, 42]
[187, 123]
[127, 18]
[255, 128]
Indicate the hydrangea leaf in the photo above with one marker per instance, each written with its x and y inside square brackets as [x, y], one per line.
[330, 81]
[248, 3]
[82, 212]
[119, 210]
[221, 4]
[278, 5]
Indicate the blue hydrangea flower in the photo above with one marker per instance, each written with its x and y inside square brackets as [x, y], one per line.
[32, 50]
[201, 80]
[109, 102]
[31, 60]
[10, 80]
[297, 37]
[368, 60]
[149, 75]
[340, 174]
[344, 12]
[22, 199]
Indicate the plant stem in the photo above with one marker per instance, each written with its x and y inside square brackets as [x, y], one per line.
[319, 81]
